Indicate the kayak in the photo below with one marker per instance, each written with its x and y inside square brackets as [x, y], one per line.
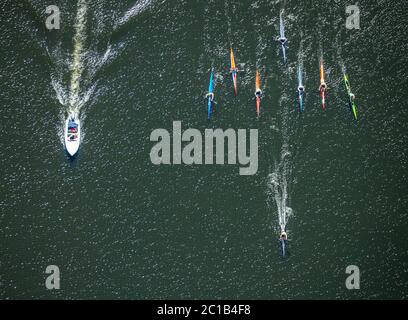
[352, 104]
[210, 95]
[72, 134]
[300, 90]
[282, 38]
[323, 86]
[258, 93]
[233, 71]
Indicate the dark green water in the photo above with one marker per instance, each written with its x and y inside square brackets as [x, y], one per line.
[119, 227]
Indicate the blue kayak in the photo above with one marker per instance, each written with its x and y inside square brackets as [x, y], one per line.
[210, 95]
[301, 89]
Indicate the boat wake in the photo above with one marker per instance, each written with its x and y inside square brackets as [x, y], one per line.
[72, 97]
[77, 62]
[278, 185]
[137, 8]
[82, 66]
[229, 11]
[278, 181]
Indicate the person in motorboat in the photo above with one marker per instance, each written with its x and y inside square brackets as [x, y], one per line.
[72, 137]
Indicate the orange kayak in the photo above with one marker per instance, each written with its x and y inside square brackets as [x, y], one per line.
[257, 93]
[323, 86]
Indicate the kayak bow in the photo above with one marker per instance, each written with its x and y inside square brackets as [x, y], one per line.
[233, 71]
[352, 104]
[258, 93]
[323, 86]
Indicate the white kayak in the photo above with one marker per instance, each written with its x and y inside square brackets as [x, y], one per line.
[72, 135]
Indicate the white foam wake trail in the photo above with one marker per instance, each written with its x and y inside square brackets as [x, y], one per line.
[83, 64]
[278, 181]
[278, 184]
[139, 7]
[301, 55]
[77, 58]
[62, 93]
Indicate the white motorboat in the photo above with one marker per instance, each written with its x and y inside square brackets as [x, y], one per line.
[72, 134]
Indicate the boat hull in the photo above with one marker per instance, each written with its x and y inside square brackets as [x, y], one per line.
[72, 139]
